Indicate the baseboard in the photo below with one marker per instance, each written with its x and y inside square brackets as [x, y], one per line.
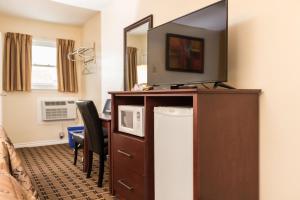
[40, 143]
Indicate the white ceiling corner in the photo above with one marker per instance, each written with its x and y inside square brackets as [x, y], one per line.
[74, 12]
[88, 4]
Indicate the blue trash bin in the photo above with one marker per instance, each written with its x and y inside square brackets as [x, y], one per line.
[74, 129]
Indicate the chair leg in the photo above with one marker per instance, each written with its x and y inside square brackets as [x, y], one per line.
[101, 170]
[90, 164]
[75, 152]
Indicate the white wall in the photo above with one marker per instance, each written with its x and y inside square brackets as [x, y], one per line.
[1, 63]
[91, 82]
[20, 110]
[116, 16]
[264, 44]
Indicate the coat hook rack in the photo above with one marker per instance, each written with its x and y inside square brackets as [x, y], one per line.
[84, 55]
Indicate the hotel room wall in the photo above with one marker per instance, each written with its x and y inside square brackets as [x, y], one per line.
[91, 82]
[1, 63]
[20, 110]
[263, 53]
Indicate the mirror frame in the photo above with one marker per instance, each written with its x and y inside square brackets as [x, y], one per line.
[148, 19]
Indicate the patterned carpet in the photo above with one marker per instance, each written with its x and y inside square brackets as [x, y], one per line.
[55, 177]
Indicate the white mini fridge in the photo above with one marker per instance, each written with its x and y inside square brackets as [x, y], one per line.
[173, 153]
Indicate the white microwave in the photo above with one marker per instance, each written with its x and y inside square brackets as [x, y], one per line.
[131, 120]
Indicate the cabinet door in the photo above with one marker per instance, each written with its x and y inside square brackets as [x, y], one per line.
[129, 153]
[128, 167]
[128, 185]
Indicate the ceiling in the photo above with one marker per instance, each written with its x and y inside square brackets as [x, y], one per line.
[52, 10]
[88, 4]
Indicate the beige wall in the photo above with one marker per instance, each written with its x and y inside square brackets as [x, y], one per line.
[91, 82]
[20, 110]
[263, 53]
[1, 63]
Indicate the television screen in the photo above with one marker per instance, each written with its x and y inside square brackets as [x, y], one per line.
[190, 49]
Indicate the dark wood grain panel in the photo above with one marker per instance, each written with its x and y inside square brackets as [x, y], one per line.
[129, 153]
[111, 142]
[225, 141]
[181, 92]
[196, 147]
[228, 147]
[128, 185]
[149, 150]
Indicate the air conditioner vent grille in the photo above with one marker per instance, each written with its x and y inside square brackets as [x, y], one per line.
[55, 103]
[56, 113]
[58, 110]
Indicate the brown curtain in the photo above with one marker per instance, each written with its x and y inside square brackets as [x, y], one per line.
[131, 67]
[17, 62]
[66, 69]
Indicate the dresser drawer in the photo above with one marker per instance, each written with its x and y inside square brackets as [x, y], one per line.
[128, 185]
[128, 152]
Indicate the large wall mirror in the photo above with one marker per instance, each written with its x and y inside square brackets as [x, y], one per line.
[135, 52]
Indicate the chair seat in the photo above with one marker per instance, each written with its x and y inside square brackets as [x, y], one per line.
[78, 138]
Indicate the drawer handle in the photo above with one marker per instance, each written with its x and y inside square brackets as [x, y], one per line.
[124, 153]
[125, 185]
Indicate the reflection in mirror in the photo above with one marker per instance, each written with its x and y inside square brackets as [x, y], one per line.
[135, 52]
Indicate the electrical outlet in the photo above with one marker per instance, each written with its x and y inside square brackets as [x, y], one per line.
[61, 135]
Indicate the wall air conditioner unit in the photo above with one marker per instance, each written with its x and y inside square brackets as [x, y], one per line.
[56, 110]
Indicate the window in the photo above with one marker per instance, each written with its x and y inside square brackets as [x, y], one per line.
[141, 74]
[142, 68]
[44, 75]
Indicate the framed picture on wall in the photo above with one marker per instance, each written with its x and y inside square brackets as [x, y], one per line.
[184, 53]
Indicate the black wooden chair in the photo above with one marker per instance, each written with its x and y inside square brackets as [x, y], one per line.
[96, 136]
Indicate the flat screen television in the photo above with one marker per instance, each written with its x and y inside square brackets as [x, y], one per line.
[191, 49]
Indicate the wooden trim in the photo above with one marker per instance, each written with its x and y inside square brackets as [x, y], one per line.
[111, 156]
[148, 19]
[196, 142]
[149, 149]
[186, 91]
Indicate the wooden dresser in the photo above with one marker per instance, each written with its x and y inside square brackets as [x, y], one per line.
[225, 144]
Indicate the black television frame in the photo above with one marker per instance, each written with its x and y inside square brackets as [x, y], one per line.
[226, 49]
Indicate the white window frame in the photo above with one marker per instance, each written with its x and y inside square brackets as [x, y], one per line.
[40, 42]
